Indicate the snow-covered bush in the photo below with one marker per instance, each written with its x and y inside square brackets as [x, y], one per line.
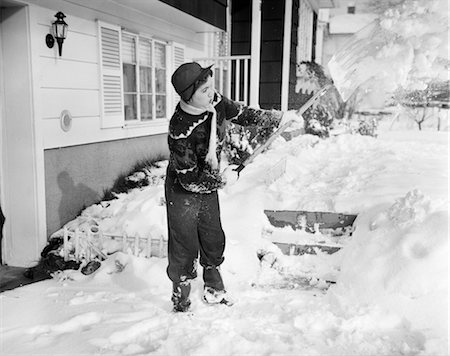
[241, 141]
[318, 121]
[367, 127]
[319, 118]
[145, 172]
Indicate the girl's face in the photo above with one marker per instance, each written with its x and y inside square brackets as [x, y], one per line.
[204, 95]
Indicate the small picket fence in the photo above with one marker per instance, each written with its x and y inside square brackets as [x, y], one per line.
[88, 245]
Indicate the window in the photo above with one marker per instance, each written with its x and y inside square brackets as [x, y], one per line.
[144, 69]
[134, 71]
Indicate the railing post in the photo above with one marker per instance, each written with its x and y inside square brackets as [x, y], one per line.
[229, 66]
[221, 76]
[255, 53]
[246, 79]
[286, 55]
[224, 82]
[238, 80]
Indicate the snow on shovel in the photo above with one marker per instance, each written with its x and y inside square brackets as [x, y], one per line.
[371, 57]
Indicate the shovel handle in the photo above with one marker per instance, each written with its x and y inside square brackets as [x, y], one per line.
[282, 128]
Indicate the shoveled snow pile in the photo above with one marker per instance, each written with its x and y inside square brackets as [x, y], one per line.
[405, 49]
[398, 259]
[391, 290]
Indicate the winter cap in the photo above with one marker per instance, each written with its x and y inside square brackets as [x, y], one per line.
[184, 78]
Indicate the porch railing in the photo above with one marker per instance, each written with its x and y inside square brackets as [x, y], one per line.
[232, 76]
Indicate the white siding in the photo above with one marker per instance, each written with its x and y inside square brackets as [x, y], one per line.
[69, 99]
[67, 74]
[72, 81]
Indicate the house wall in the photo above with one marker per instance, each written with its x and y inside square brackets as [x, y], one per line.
[272, 18]
[76, 177]
[72, 82]
[241, 27]
[87, 155]
[82, 163]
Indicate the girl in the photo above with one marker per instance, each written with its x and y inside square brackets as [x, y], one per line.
[196, 137]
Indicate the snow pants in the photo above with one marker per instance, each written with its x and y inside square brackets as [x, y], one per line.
[194, 227]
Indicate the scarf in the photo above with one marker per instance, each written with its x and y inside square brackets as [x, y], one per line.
[211, 156]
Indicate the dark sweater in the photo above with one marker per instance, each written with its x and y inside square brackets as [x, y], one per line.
[189, 139]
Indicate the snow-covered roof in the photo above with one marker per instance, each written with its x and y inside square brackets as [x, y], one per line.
[349, 23]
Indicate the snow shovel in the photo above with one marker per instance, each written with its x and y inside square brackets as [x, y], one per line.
[333, 224]
[356, 62]
[283, 128]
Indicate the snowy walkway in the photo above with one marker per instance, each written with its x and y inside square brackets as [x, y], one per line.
[103, 318]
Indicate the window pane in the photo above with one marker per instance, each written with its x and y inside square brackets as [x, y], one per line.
[145, 52]
[129, 77]
[130, 107]
[145, 74]
[160, 81]
[128, 48]
[160, 55]
[160, 106]
[146, 107]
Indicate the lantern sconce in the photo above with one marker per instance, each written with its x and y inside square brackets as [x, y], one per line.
[59, 29]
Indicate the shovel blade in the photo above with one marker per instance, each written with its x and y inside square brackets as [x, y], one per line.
[311, 220]
[356, 62]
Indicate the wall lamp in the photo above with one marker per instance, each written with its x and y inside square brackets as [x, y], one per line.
[59, 29]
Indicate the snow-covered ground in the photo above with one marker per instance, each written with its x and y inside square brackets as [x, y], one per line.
[391, 290]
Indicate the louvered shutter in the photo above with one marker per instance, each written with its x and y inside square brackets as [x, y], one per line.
[177, 60]
[110, 76]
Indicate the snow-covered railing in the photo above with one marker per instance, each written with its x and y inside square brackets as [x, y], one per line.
[95, 244]
[232, 76]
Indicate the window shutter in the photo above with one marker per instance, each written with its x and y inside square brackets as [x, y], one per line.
[110, 76]
[177, 60]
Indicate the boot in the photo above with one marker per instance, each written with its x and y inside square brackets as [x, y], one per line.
[214, 296]
[212, 277]
[180, 296]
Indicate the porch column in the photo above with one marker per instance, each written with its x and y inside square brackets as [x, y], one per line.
[255, 53]
[286, 54]
[319, 42]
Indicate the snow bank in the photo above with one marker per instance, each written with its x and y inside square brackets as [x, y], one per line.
[398, 260]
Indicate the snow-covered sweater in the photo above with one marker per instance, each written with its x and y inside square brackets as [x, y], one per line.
[189, 139]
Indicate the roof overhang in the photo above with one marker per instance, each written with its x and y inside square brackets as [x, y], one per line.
[125, 11]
